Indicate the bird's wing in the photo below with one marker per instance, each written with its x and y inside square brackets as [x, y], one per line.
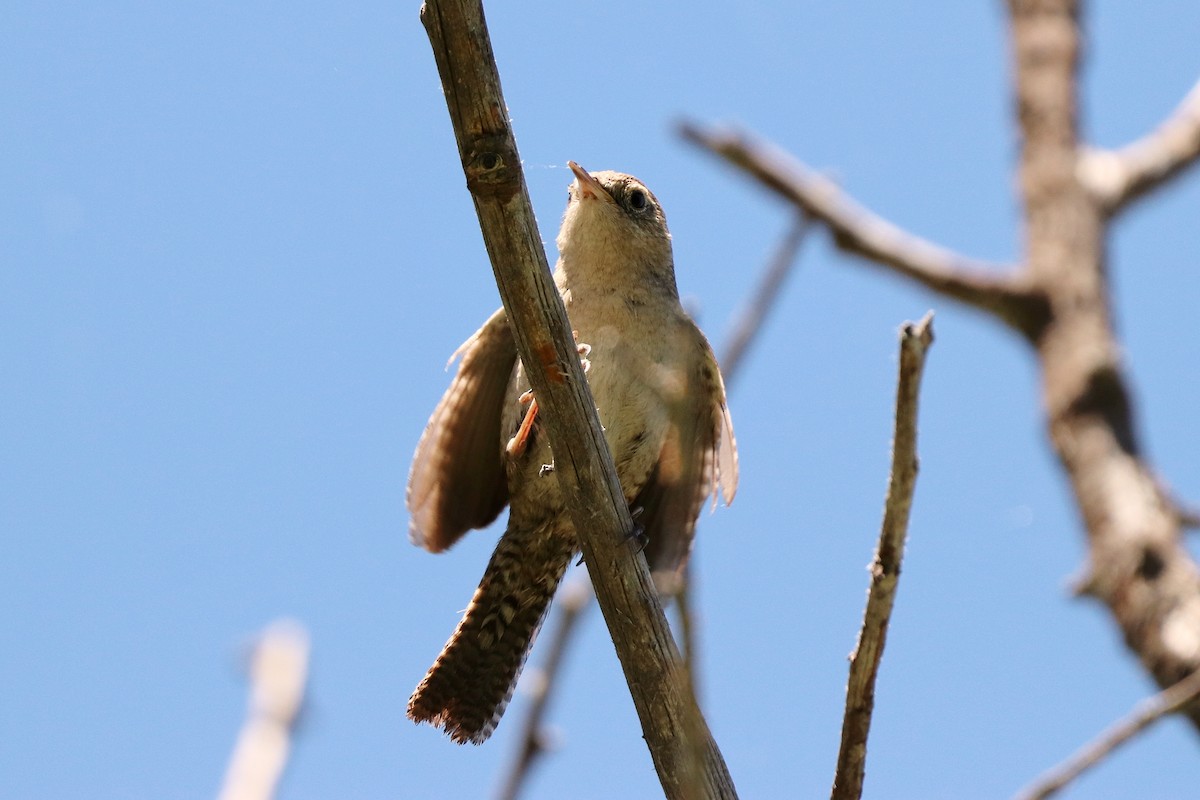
[698, 459]
[457, 479]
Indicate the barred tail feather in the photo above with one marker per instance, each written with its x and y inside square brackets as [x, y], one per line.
[469, 686]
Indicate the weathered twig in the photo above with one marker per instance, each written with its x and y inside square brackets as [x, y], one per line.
[885, 570]
[750, 319]
[584, 466]
[278, 672]
[1116, 178]
[1001, 290]
[1147, 712]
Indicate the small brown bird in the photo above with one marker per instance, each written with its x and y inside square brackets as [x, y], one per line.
[661, 401]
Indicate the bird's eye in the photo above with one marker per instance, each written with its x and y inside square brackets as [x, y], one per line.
[637, 200]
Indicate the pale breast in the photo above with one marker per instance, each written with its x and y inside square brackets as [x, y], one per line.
[635, 375]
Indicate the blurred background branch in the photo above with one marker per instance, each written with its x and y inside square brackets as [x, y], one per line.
[278, 673]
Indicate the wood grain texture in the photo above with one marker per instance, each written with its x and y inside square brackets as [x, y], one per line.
[684, 753]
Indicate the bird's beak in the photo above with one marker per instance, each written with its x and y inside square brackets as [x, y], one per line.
[588, 186]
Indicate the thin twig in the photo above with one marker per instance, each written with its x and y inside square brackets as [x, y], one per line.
[278, 673]
[584, 465]
[1189, 518]
[998, 289]
[915, 341]
[750, 319]
[571, 602]
[1145, 714]
[688, 634]
[1118, 177]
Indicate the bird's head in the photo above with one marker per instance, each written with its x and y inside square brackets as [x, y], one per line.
[613, 223]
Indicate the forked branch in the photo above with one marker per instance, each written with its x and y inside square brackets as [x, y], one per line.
[1002, 291]
[1116, 178]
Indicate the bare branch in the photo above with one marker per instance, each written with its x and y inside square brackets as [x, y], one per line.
[1137, 563]
[915, 341]
[1145, 714]
[1002, 291]
[688, 635]
[572, 600]
[1188, 518]
[750, 319]
[278, 673]
[668, 713]
[1116, 178]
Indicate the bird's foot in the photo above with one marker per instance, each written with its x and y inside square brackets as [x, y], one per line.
[584, 351]
[517, 444]
[637, 534]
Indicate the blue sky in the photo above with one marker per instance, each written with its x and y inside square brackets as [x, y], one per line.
[238, 250]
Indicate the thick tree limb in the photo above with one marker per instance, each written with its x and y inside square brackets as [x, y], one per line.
[583, 463]
[1116, 178]
[885, 570]
[1137, 563]
[1148, 712]
[999, 290]
[278, 673]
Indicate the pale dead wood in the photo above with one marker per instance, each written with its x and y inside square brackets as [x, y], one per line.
[1138, 566]
[1116, 178]
[1001, 290]
[278, 672]
[1148, 712]
[669, 716]
[915, 340]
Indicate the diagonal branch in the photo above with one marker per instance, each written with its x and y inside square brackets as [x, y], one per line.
[671, 722]
[915, 341]
[1147, 712]
[1003, 292]
[1116, 178]
[750, 320]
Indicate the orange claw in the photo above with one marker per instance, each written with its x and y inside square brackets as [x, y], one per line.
[517, 444]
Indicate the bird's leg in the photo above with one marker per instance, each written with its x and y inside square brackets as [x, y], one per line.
[517, 444]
